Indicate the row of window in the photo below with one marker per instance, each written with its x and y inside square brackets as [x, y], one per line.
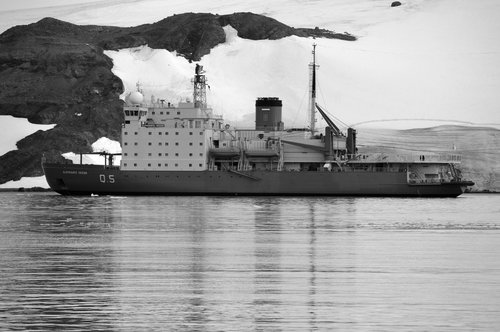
[136, 113]
[160, 133]
[161, 154]
[161, 143]
[165, 165]
[167, 113]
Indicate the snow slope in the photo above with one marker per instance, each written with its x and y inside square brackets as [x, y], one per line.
[26, 182]
[103, 144]
[425, 59]
[14, 129]
[478, 147]
[236, 71]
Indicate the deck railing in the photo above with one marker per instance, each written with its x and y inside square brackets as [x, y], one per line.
[383, 158]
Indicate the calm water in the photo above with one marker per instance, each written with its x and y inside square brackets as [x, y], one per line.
[232, 263]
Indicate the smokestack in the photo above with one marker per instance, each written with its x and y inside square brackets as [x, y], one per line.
[268, 114]
[351, 142]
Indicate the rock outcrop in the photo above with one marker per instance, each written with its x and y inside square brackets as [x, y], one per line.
[56, 72]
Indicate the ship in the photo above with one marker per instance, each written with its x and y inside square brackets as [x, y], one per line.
[186, 149]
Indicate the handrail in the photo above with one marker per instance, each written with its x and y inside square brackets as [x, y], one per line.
[447, 157]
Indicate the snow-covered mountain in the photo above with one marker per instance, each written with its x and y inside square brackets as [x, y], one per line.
[423, 60]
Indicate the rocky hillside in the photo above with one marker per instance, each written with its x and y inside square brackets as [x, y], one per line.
[54, 72]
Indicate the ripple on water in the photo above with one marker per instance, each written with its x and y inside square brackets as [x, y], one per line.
[248, 263]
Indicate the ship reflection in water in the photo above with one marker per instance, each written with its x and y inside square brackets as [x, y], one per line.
[252, 263]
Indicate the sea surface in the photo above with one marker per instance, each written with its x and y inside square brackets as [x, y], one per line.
[249, 263]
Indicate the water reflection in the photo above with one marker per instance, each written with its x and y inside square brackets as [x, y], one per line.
[253, 263]
[268, 271]
[196, 313]
[312, 269]
[54, 268]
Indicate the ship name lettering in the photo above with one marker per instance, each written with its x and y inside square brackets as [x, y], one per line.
[75, 172]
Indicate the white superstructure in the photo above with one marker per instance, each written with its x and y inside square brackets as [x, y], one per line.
[163, 137]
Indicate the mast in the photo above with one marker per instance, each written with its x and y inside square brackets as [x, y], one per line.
[199, 88]
[312, 92]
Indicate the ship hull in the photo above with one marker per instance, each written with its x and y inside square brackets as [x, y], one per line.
[93, 179]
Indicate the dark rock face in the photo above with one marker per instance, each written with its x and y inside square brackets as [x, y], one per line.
[50, 73]
[56, 72]
[395, 4]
